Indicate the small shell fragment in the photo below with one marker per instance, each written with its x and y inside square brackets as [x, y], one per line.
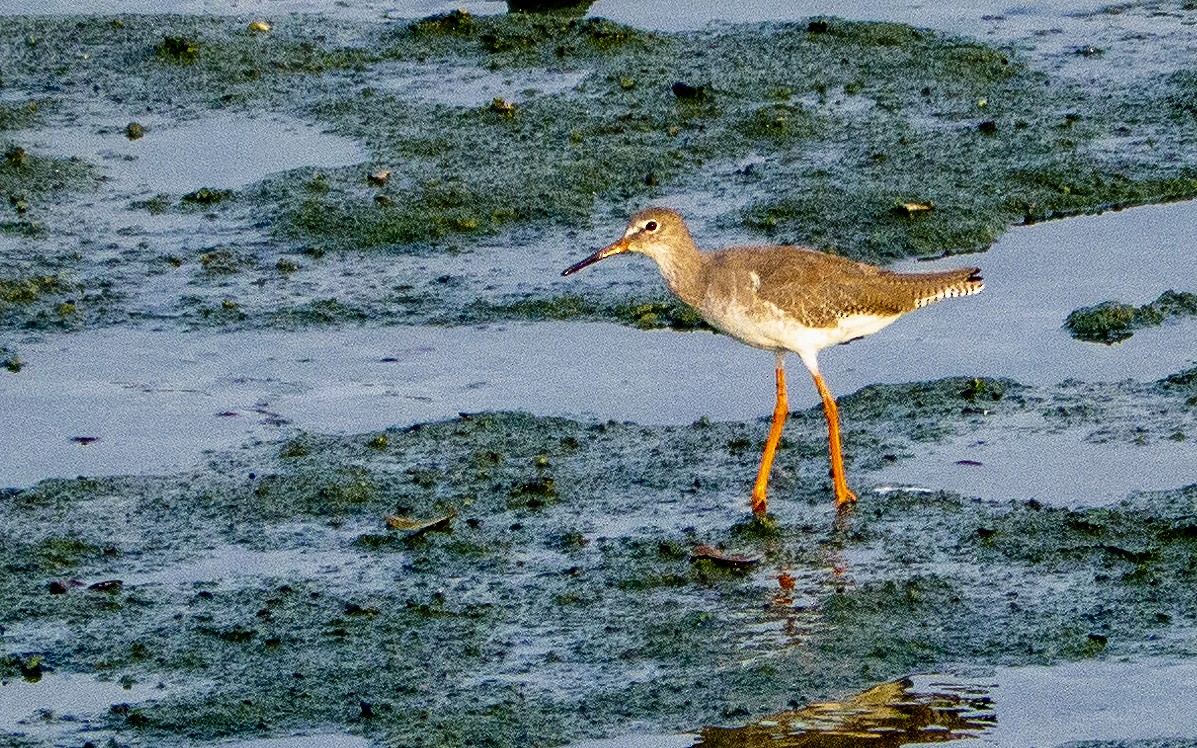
[502, 107]
[723, 559]
[911, 209]
[413, 526]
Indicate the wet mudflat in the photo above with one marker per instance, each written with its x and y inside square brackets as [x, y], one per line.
[285, 535]
[407, 160]
[267, 594]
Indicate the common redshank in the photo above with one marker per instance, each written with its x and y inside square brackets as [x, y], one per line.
[784, 298]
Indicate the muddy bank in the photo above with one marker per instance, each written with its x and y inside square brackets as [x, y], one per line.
[522, 618]
[467, 158]
[1113, 321]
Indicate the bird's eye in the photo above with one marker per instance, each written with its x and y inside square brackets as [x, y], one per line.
[650, 226]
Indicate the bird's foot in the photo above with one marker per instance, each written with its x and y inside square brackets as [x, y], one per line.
[844, 496]
[759, 504]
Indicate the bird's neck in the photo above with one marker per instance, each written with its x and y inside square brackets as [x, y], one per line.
[685, 271]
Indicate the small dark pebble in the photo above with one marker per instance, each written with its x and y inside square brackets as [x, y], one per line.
[15, 156]
[686, 91]
[57, 588]
[546, 6]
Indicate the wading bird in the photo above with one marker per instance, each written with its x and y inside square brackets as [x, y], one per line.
[784, 298]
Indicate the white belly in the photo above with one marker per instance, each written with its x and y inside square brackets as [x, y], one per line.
[769, 328]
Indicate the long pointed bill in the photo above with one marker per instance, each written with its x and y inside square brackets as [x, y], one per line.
[602, 254]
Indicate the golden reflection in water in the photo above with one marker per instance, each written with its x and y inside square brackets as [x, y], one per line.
[885, 716]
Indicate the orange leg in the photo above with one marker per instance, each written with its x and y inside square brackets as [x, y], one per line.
[842, 494]
[780, 411]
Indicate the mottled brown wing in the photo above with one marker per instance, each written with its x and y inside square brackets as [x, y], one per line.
[818, 288]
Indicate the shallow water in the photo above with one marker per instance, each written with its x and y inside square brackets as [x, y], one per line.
[324, 740]
[965, 16]
[1094, 701]
[1036, 705]
[345, 8]
[233, 564]
[1041, 706]
[1054, 468]
[225, 150]
[216, 390]
[62, 703]
[473, 86]
[1036, 275]
[673, 15]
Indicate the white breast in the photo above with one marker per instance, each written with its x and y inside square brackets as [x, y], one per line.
[766, 326]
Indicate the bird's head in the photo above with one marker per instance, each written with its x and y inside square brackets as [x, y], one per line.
[654, 232]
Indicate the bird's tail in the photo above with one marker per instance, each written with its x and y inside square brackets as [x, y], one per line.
[928, 288]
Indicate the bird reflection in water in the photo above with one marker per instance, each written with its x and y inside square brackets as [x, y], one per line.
[886, 716]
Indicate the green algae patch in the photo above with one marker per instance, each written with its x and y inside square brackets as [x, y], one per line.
[20, 115]
[29, 289]
[566, 574]
[31, 177]
[54, 302]
[418, 215]
[1113, 322]
[206, 196]
[625, 130]
[48, 302]
[515, 39]
[904, 116]
[178, 49]
[9, 360]
[318, 312]
[935, 399]
[818, 133]
[1181, 379]
[172, 61]
[647, 315]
